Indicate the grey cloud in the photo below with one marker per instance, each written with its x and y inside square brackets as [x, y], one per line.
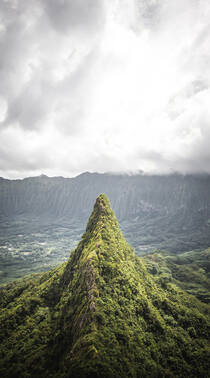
[201, 37]
[199, 164]
[66, 99]
[196, 87]
[14, 157]
[13, 49]
[73, 93]
[149, 11]
[178, 102]
[16, 48]
[201, 150]
[29, 108]
[197, 55]
[66, 15]
[28, 37]
[196, 156]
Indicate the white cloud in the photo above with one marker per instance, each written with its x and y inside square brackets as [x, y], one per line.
[104, 86]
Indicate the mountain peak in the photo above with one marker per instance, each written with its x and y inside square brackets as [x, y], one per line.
[102, 206]
[102, 203]
[101, 212]
[103, 234]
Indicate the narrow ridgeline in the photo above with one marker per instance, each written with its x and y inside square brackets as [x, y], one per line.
[101, 314]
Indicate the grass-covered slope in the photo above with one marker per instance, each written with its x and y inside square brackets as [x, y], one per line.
[189, 270]
[102, 314]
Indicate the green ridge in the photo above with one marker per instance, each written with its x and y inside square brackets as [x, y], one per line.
[102, 314]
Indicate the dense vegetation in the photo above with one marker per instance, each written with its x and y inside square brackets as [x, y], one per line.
[190, 270]
[102, 314]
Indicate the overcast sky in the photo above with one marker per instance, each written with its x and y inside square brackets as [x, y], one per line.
[113, 85]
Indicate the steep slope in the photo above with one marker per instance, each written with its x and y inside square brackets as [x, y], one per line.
[102, 314]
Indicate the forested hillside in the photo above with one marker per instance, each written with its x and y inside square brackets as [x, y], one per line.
[102, 315]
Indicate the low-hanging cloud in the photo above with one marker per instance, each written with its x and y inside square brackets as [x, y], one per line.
[104, 86]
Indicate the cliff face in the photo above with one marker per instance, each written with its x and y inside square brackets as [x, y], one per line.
[130, 196]
[166, 211]
[101, 314]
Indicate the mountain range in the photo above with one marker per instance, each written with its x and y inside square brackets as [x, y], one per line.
[167, 212]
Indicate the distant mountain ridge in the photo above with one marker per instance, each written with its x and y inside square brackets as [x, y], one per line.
[49, 196]
[102, 315]
[171, 211]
